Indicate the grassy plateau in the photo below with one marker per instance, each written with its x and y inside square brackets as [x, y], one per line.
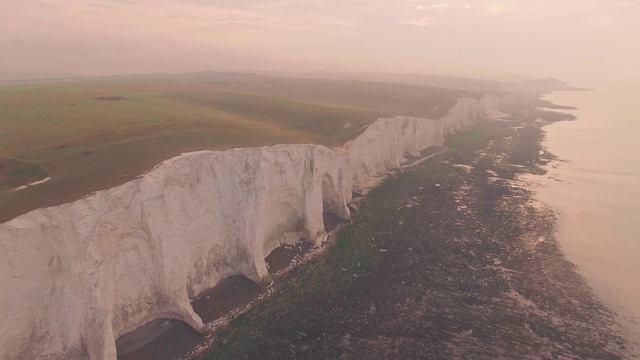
[92, 134]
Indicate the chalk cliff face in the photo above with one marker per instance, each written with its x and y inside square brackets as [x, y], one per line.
[75, 277]
[385, 143]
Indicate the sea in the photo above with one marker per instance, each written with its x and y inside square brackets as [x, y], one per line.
[595, 189]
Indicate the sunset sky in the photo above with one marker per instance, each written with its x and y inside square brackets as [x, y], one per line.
[576, 40]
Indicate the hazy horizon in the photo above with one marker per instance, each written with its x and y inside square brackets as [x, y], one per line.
[578, 41]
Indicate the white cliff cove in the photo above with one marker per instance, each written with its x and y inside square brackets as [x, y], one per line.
[77, 276]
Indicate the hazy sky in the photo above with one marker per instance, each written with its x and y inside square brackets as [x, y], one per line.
[577, 40]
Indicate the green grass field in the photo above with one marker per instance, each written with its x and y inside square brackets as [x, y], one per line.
[97, 133]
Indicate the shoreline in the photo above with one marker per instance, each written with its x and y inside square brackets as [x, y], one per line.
[540, 294]
[554, 326]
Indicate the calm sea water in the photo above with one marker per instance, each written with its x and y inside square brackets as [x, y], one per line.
[597, 191]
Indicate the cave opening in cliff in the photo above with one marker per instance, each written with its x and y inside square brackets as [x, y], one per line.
[146, 342]
[228, 294]
[330, 205]
[283, 256]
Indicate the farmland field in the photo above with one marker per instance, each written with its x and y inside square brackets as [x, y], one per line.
[92, 134]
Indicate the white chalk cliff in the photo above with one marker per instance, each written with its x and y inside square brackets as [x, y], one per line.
[75, 277]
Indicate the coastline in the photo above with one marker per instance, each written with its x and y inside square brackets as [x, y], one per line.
[455, 258]
[335, 309]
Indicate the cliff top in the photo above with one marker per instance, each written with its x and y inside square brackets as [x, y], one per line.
[90, 134]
